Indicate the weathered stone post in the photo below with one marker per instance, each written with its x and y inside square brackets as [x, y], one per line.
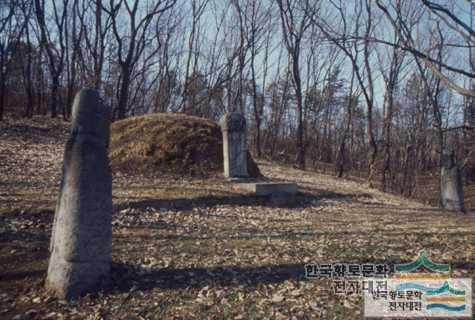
[82, 233]
[451, 187]
[233, 128]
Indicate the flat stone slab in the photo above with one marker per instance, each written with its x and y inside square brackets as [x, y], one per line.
[270, 188]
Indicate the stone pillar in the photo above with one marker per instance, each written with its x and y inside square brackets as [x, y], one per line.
[233, 128]
[451, 187]
[82, 232]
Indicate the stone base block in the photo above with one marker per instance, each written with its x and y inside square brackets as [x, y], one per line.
[277, 193]
[238, 179]
[274, 189]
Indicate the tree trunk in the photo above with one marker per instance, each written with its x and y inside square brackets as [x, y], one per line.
[300, 128]
[71, 85]
[2, 97]
[54, 95]
[373, 149]
[123, 93]
[29, 90]
[258, 137]
[99, 59]
[387, 145]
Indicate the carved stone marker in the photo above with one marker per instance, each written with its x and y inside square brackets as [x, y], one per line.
[233, 127]
[451, 188]
[82, 231]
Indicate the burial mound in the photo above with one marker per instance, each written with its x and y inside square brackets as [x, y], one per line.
[169, 143]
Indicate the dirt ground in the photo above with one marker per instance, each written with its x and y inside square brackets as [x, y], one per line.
[190, 249]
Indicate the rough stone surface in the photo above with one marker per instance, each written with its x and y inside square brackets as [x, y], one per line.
[233, 127]
[82, 232]
[451, 187]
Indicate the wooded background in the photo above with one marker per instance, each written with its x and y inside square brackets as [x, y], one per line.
[374, 89]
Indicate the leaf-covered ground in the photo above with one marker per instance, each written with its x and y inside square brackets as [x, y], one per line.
[191, 249]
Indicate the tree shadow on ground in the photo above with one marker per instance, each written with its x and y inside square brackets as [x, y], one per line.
[428, 208]
[306, 197]
[127, 278]
[20, 275]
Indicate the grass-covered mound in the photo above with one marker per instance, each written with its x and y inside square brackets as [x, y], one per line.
[168, 143]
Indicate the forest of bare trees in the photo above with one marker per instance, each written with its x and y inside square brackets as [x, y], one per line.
[373, 88]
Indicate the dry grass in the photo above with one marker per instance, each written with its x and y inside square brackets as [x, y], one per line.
[166, 143]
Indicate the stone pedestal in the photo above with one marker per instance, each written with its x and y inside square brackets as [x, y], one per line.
[278, 193]
[233, 127]
[82, 232]
[270, 188]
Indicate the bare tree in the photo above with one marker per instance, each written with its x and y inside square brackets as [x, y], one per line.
[94, 35]
[295, 18]
[254, 22]
[50, 40]
[391, 79]
[362, 18]
[350, 106]
[131, 45]
[197, 10]
[449, 19]
[28, 59]
[11, 29]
